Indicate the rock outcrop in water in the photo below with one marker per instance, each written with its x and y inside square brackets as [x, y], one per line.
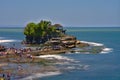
[54, 36]
[41, 32]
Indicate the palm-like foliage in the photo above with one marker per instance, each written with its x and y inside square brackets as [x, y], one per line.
[41, 32]
[29, 32]
[29, 29]
[43, 25]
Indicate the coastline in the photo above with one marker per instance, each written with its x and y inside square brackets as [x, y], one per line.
[43, 57]
[84, 58]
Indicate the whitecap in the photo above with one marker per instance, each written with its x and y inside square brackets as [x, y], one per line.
[92, 43]
[86, 67]
[58, 57]
[106, 50]
[62, 63]
[7, 41]
[72, 67]
[40, 75]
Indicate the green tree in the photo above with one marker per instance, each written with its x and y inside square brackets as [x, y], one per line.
[44, 29]
[29, 31]
[41, 32]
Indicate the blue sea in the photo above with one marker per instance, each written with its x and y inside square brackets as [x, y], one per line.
[101, 66]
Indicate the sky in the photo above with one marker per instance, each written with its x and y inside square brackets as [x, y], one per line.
[73, 13]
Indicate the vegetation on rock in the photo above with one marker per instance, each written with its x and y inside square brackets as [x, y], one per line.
[42, 32]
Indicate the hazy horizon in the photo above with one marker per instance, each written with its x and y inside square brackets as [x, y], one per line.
[63, 26]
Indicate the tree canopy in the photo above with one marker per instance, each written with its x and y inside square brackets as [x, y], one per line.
[41, 32]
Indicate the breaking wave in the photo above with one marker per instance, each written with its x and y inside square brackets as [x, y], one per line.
[10, 40]
[104, 49]
[58, 57]
[40, 75]
[65, 63]
[92, 43]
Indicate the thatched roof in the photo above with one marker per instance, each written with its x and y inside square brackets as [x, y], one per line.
[58, 25]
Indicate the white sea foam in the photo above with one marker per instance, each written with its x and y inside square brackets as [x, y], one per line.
[59, 57]
[86, 67]
[40, 75]
[92, 43]
[106, 50]
[6, 41]
[71, 67]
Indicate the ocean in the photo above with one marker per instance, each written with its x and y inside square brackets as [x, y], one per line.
[101, 66]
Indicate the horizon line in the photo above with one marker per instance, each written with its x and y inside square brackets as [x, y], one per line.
[63, 26]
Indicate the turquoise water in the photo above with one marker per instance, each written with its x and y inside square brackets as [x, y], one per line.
[101, 66]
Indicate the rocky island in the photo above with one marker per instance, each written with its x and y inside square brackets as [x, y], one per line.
[51, 39]
[45, 38]
[41, 39]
